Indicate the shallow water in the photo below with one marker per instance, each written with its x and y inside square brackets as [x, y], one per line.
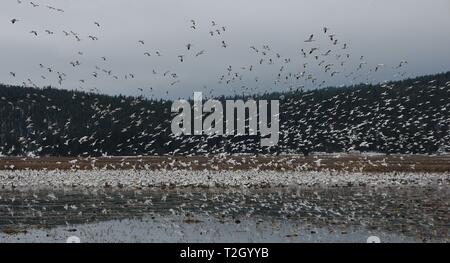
[293, 214]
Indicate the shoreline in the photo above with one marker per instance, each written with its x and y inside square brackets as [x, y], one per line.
[339, 162]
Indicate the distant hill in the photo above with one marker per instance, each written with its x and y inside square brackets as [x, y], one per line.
[409, 116]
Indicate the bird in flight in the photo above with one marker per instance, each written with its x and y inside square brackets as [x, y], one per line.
[334, 73]
[14, 20]
[142, 42]
[313, 49]
[378, 67]
[97, 24]
[402, 63]
[303, 52]
[310, 39]
[193, 26]
[327, 53]
[200, 53]
[34, 32]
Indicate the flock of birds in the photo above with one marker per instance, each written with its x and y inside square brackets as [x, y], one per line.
[333, 58]
[298, 71]
[287, 213]
[362, 119]
[181, 178]
[304, 127]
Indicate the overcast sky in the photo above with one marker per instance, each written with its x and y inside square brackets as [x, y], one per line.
[383, 31]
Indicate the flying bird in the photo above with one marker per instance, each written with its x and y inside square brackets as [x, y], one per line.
[402, 63]
[310, 39]
[313, 49]
[378, 67]
[200, 53]
[327, 53]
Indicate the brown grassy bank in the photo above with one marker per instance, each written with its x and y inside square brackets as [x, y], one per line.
[344, 162]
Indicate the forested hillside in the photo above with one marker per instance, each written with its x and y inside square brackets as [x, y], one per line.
[410, 116]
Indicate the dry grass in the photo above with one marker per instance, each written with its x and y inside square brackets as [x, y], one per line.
[344, 162]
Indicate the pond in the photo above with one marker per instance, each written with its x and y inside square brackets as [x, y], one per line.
[288, 214]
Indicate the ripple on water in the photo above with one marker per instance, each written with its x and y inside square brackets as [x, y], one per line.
[290, 214]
